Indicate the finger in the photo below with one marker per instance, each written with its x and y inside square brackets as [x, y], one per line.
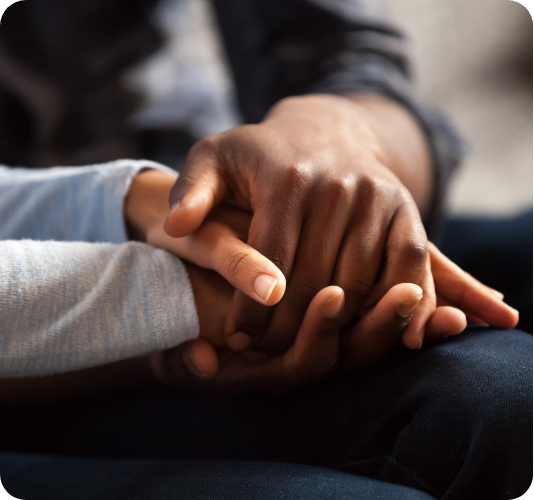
[274, 232]
[197, 190]
[215, 246]
[406, 251]
[187, 363]
[414, 333]
[468, 294]
[313, 355]
[319, 244]
[359, 260]
[445, 321]
[471, 318]
[379, 330]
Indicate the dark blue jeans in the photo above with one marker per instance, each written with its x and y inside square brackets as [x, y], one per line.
[453, 420]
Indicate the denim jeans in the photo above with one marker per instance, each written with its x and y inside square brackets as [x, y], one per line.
[452, 420]
[52, 478]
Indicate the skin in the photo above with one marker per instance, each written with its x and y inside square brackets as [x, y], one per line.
[322, 342]
[379, 328]
[336, 186]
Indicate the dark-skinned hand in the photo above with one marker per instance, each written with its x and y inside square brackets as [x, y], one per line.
[326, 211]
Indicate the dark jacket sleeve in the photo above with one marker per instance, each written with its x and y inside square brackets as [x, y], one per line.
[279, 48]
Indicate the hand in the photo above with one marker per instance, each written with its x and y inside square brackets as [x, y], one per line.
[218, 244]
[205, 363]
[457, 288]
[366, 342]
[326, 210]
[458, 296]
[313, 355]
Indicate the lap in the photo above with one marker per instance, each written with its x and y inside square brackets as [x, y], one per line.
[419, 418]
[53, 478]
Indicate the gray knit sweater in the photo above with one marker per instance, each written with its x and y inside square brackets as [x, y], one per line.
[74, 293]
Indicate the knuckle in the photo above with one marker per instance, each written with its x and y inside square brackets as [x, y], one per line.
[301, 294]
[238, 263]
[403, 195]
[202, 147]
[298, 176]
[339, 191]
[367, 188]
[414, 250]
[360, 285]
[278, 253]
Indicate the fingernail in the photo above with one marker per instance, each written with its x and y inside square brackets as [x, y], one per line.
[497, 293]
[190, 364]
[333, 306]
[238, 341]
[408, 308]
[264, 286]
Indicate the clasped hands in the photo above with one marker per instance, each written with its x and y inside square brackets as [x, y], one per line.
[305, 251]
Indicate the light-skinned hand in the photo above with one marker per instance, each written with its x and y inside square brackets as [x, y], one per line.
[216, 245]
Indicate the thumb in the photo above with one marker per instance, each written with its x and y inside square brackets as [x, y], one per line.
[199, 188]
[192, 361]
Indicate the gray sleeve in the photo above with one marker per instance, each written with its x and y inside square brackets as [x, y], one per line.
[66, 306]
[68, 204]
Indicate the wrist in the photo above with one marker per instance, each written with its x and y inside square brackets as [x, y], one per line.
[402, 142]
[335, 112]
[146, 205]
[380, 126]
[212, 295]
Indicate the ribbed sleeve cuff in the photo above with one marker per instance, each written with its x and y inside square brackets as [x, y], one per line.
[115, 180]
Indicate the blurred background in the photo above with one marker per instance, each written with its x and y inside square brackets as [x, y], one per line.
[472, 59]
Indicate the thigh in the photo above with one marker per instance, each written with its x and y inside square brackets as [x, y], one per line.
[440, 419]
[498, 252]
[53, 478]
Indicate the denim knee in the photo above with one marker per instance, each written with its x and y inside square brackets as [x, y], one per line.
[473, 421]
[485, 376]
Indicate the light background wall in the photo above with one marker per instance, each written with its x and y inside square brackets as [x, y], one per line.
[472, 59]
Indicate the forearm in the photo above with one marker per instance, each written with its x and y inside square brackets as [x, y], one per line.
[67, 204]
[68, 306]
[402, 143]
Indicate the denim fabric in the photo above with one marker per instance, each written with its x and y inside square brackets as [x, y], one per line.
[499, 252]
[52, 478]
[453, 420]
